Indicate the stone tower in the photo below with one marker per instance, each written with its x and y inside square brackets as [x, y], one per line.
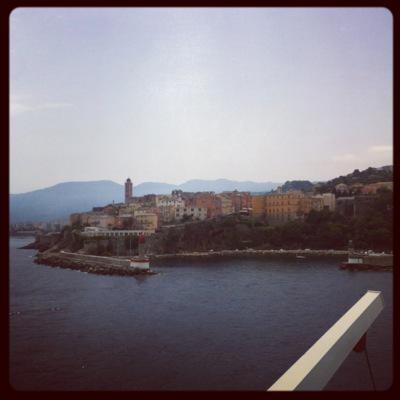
[128, 191]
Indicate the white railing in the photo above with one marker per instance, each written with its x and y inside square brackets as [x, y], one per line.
[316, 367]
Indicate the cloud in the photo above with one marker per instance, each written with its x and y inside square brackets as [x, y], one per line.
[18, 107]
[348, 157]
[380, 149]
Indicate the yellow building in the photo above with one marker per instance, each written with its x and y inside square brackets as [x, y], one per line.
[146, 220]
[282, 207]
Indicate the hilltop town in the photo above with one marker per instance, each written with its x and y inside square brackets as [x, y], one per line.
[285, 217]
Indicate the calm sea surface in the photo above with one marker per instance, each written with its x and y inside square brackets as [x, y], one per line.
[223, 325]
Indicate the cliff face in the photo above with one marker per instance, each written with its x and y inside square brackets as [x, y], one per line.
[67, 239]
[233, 232]
[44, 242]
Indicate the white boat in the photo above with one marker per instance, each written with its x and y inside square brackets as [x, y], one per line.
[140, 263]
[298, 256]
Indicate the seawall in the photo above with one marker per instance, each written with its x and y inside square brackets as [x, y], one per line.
[92, 264]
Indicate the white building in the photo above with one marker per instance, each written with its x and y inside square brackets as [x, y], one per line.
[329, 200]
[196, 213]
[96, 232]
[165, 201]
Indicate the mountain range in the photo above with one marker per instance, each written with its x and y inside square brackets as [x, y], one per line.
[59, 201]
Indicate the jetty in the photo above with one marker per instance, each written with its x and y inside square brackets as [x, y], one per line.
[93, 264]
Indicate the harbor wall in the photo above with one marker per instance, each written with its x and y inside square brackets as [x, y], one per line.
[91, 264]
[116, 262]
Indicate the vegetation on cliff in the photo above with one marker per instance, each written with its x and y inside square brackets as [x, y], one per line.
[319, 230]
[305, 186]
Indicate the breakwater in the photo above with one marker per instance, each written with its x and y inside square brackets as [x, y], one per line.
[91, 264]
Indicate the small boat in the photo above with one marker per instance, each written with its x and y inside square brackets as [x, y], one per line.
[298, 256]
[140, 262]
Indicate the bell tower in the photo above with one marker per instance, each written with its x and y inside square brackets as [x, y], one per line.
[128, 191]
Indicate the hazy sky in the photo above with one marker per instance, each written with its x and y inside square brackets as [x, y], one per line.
[262, 94]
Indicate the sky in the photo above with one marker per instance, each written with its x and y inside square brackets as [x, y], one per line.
[172, 94]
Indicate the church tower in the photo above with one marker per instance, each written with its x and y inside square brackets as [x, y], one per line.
[128, 191]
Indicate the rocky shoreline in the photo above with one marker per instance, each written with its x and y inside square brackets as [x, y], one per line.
[63, 261]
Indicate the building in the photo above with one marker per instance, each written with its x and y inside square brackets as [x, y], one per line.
[226, 204]
[258, 206]
[166, 201]
[342, 189]
[97, 219]
[317, 203]
[128, 191]
[166, 214]
[329, 201]
[240, 200]
[356, 188]
[372, 188]
[145, 220]
[195, 213]
[115, 233]
[282, 207]
[209, 201]
[106, 221]
[129, 208]
[124, 221]
[148, 200]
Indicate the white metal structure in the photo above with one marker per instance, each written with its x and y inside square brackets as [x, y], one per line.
[316, 367]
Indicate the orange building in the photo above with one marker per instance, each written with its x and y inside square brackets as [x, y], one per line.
[258, 205]
[240, 200]
[209, 201]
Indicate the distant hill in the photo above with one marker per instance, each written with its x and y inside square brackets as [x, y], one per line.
[59, 201]
[203, 185]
